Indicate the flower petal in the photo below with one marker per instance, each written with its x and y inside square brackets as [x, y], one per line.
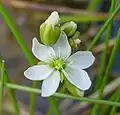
[78, 77]
[62, 47]
[53, 18]
[42, 52]
[51, 84]
[38, 72]
[81, 59]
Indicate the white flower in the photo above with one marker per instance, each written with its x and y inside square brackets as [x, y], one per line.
[58, 59]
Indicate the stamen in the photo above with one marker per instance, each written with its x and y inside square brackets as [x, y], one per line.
[57, 63]
[70, 63]
[51, 57]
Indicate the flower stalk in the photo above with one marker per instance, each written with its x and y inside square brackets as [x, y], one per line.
[60, 95]
[2, 88]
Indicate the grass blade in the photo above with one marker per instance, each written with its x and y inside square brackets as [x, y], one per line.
[2, 87]
[97, 37]
[25, 49]
[11, 91]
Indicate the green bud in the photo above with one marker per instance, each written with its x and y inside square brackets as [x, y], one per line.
[69, 28]
[73, 90]
[49, 30]
[75, 40]
[48, 34]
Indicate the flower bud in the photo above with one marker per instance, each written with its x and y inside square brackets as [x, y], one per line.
[69, 28]
[75, 40]
[49, 30]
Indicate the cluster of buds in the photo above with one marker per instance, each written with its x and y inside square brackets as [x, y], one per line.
[51, 29]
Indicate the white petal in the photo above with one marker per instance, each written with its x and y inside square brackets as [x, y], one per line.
[81, 59]
[62, 47]
[42, 52]
[51, 84]
[53, 18]
[78, 77]
[38, 72]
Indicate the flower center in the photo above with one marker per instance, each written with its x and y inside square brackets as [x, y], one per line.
[58, 64]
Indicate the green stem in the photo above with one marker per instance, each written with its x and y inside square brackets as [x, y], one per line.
[50, 111]
[109, 67]
[2, 87]
[33, 99]
[25, 49]
[105, 78]
[11, 91]
[112, 98]
[113, 110]
[97, 37]
[62, 90]
[104, 56]
[23, 46]
[60, 95]
[17, 34]
[55, 107]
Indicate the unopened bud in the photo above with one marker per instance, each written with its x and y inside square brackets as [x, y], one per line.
[49, 30]
[69, 28]
[75, 40]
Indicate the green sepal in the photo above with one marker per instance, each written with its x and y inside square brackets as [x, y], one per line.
[62, 76]
[49, 34]
[73, 89]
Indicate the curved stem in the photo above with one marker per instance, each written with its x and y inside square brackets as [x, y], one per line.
[104, 56]
[60, 95]
[97, 37]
